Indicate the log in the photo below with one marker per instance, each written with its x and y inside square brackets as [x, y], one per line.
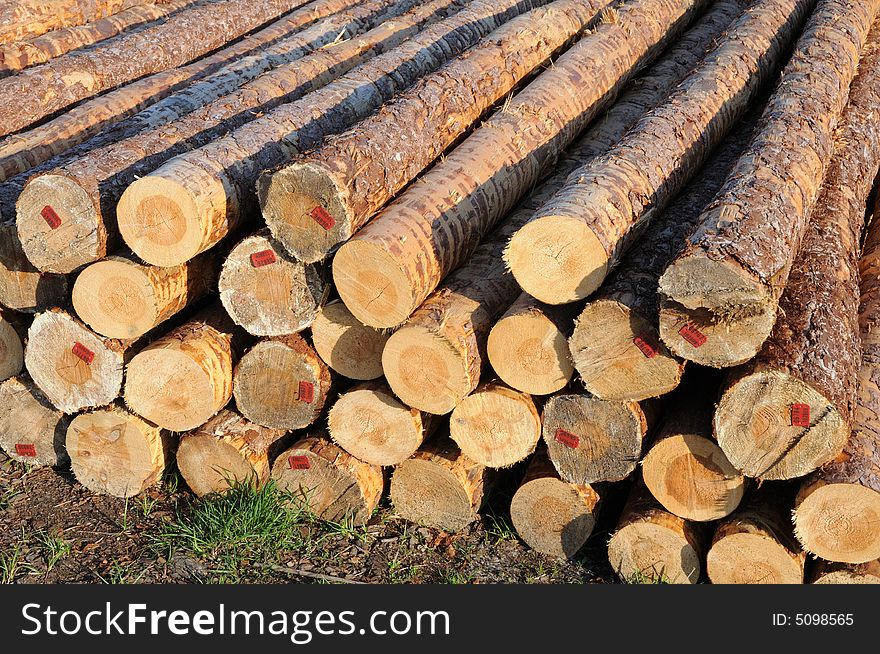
[684, 469]
[651, 545]
[615, 345]
[226, 449]
[496, 426]
[371, 424]
[72, 365]
[38, 92]
[113, 452]
[282, 383]
[440, 487]
[24, 18]
[438, 222]
[528, 346]
[83, 193]
[591, 440]
[825, 572]
[551, 515]
[19, 55]
[182, 379]
[268, 292]
[728, 280]
[790, 409]
[341, 182]
[23, 287]
[13, 329]
[210, 191]
[31, 429]
[755, 545]
[565, 252]
[332, 484]
[347, 345]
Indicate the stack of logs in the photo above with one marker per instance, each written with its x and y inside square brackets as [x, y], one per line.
[357, 246]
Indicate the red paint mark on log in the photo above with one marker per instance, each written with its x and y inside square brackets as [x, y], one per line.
[83, 353]
[800, 415]
[647, 345]
[321, 216]
[263, 258]
[298, 462]
[693, 335]
[25, 449]
[52, 219]
[567, 438]
[306, 392]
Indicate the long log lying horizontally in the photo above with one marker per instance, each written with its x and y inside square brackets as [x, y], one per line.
[728, 281]
[31, 429]
[24, 18]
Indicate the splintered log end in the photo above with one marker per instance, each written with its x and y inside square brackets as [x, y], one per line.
[772, 425]
[496, 426]
[346, 344]
[115, 453]
[305, 210]
[373, 425]
[333, 484]
[439, 487]
[839, 522]
[116, 298]
[551, 515]
[11, 350]
[59, 225]
[619, 355]
[281, 383]
[424, 370]
[31, 429]
[692, 478]
[268, 292]
[372, 284]
[22, 286]
[557, 259]
[826, 572]
[74, 367]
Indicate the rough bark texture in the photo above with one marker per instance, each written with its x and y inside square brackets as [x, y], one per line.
[281, 382]
[38, 50]
[565, 252]
[737, 262]
[23, 18]
[354, 174]
[226, 449]
[615, 344]
[438, 222]
[756, 545]
[440, 487]
[13, 330]
[347, 345]
[651, 545]
[23, 287]
[813, 354]
[41, 91]
[84, 192]
[113, 452]
[31, 429]
[333, 484]
[209, 191]
[268, 292]
[551, 515]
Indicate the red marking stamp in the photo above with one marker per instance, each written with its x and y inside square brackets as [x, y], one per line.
[83, 353]
[800, 415]
[298, 462]
[646, 345]
[263, 258]
[567, 438]
[692, 335]
[306, 392]
[52, 219]
[321, 216]
[25, 449]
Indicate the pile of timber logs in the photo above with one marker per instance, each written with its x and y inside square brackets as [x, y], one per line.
[383, 248]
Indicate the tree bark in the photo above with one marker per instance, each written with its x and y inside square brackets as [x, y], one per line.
[355, 174]
[388, 269]
[23, 287]
[31, 429]
[565, 252]
[737, 263]
[206, 193]
[345, 344]
[25, 18]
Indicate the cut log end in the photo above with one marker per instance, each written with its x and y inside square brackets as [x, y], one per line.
[557, 259]
[211, 465]
[529, 352]
[774, 426]
[32, 431]
[11, 350]
[839, 522]
[114, 452]
[690, 476]
[115, 299]
[304, 210]
[58, 224]
[619, 355]
[347, 345]
[825, 572]
[697, 282]
[373, 286]
[425, 492]
[22, 286]
[752, 558]
[424, 370]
